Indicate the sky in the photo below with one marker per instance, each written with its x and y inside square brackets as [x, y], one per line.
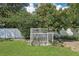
[58, 6]
[61, 5]
[30, 8]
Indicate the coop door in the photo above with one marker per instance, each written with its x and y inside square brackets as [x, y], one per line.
[50, 37]
[40, 39]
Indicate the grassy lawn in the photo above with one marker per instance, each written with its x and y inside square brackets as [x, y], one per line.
[20, 48]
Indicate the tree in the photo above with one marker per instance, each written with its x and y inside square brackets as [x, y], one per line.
[51, 17]
[73, 14]
[58, 19]
[8, 9]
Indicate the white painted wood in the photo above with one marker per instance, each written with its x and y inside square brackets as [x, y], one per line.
[40, 35]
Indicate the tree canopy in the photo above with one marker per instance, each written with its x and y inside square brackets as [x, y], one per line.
[45, 16]
[58, 19]
[8, 9]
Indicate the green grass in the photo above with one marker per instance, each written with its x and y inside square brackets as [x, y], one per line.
[20, 48]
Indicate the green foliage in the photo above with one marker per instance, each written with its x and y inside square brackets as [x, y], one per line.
[10, 9]
[2, 40]
[70, 38]
[46, 16]
[53, 18]
[73, 15]
[67, 18]
[57, 43]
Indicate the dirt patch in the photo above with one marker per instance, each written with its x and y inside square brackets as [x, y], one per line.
[74, 45]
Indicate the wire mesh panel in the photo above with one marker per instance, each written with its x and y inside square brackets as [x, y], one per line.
[39, 39]
[40, 36]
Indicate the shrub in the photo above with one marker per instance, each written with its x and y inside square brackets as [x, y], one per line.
[57, 43]
[5, 39]
[70, 38]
